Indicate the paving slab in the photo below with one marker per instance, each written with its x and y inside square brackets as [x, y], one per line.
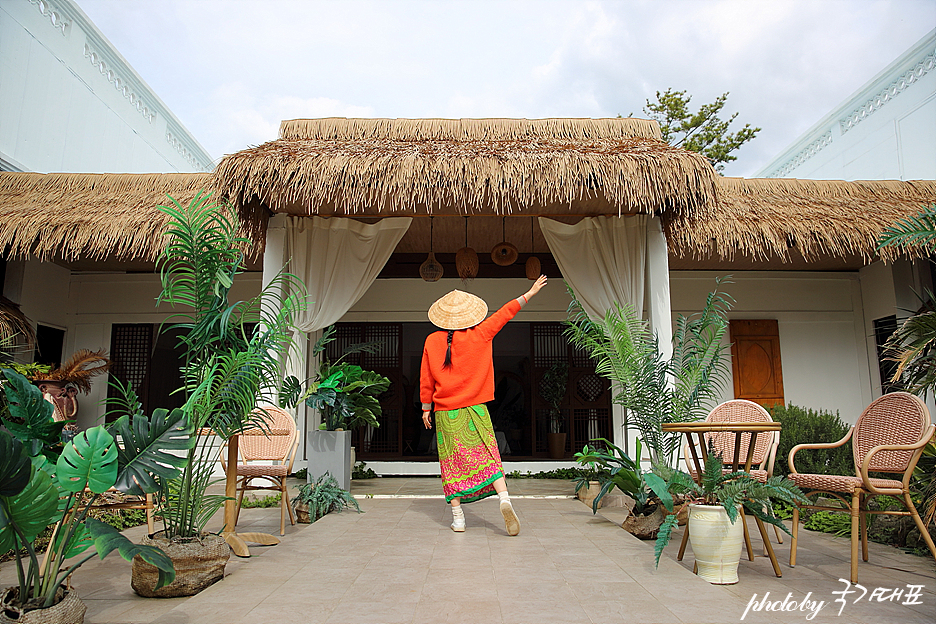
[399, 562]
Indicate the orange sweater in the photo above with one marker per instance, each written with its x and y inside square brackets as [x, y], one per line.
[470, 380]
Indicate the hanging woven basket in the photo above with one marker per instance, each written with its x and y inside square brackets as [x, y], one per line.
[533, 268]
[504, 254]
[430, 270]
[466, 262]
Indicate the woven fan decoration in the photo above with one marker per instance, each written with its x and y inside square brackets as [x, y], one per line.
[533, 268]
[504, 254]
[466, 260]
[430, 270]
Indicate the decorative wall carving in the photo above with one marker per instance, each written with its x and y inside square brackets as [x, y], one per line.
[59, 21]
[805, 154]
[893, 90]
[179, 147]
[119, 83]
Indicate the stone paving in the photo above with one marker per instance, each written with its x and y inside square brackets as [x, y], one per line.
[400, 562]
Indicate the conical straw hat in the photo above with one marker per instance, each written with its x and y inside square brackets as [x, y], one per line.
[458, 310]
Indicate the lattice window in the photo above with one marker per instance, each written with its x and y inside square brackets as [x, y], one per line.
[131, 349]
[549, 345]
[388, 338]
[590, 387]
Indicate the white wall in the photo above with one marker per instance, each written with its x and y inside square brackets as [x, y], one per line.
[87, 304]
[71, 102]
[822, 332]
[884, 131]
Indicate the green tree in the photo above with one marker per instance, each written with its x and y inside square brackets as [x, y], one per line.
[702, 131]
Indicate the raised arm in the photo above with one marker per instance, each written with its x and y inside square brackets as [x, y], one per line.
[535, 288]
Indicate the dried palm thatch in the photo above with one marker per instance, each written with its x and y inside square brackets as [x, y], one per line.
[376, 166]
[14, 325]
[765, 218]
[72, 215]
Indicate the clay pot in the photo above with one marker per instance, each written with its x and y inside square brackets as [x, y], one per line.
[198, 562]
[68, 610]
[588, 493]
[302, 513]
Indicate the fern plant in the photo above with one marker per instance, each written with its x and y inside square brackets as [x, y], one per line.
[728, 490]
[323, 497]
[652, 389]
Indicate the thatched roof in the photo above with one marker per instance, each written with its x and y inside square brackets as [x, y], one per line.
[71, 215]
[488, 166]
[765, 218]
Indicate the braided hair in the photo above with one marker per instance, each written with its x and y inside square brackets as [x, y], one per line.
[448, 350]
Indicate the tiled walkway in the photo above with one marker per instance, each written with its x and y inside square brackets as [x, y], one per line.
[400, 562]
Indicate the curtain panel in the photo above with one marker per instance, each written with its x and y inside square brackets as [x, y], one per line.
[616, 259]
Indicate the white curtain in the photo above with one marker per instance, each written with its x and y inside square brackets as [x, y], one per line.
[338, 259]
[616, 259]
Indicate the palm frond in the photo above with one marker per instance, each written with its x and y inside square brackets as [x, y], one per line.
[915, 231]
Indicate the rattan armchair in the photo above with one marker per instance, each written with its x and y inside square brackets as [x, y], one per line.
[888, 437]
[275, 451]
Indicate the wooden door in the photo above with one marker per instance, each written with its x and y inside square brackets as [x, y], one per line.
[755, 358]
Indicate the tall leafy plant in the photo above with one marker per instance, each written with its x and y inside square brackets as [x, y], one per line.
[655, 390]
[913, 345]
[45, 483]
[346, 395]
[231, 350]
[553, 389]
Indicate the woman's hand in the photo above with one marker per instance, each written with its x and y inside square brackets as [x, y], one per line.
[427, 419]
[537, 285]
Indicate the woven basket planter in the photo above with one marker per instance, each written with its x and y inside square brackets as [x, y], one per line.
[645, 527]
[69, 610]
[198, 563]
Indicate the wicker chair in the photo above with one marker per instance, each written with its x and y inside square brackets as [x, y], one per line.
[276, 451]
[888, 437]
[765, 451]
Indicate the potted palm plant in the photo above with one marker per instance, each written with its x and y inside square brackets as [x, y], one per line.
[347, 396]
[552, 389]
[231, 362]
[615, 469]
[715, 504]
[46, 483]
[652, 389]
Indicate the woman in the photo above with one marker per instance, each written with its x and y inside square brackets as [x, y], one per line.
[457, 379]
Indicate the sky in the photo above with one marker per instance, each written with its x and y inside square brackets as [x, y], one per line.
[230, 70]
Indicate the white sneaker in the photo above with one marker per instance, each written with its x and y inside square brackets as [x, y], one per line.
[458, 525]
[510, 517]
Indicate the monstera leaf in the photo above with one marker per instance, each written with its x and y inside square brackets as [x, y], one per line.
[79, 542]
[90, 460]
[32, 510]
[14, 465]
[107, 538]
[144, 453]
[38, 431]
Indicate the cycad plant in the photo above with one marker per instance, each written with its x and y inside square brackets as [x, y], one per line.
[323, 497]
[652, 389]
[725, 489]
[232, 350]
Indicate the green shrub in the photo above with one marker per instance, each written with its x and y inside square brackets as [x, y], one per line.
[806, 426]
[302, 473]
[273, 500]
[838, 523]
[567, 474]
[361, 471]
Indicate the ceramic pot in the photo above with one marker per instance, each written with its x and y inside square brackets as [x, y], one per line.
[68, 610]
[588, 493]
[556, 443]
[716, 543]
